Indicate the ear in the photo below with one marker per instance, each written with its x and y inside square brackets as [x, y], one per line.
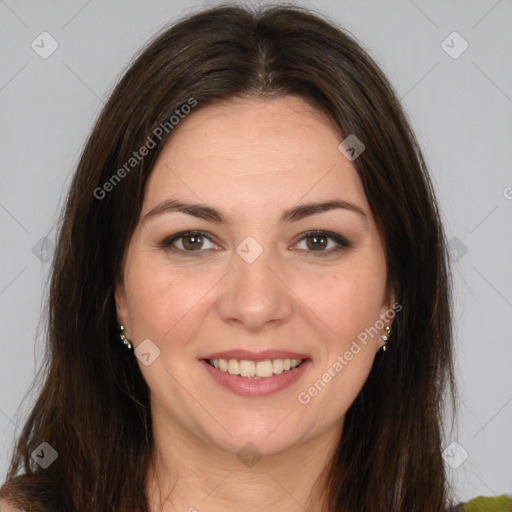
[388, 305]
[121, 306]
[388, 311]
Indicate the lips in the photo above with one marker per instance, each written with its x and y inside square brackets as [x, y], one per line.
[251, 387]
[256, 374]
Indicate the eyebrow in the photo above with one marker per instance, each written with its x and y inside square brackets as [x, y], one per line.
[208, 213]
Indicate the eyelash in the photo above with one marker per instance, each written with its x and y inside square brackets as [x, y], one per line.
[340, 240]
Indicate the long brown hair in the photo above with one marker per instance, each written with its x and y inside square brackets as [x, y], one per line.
[93, 406]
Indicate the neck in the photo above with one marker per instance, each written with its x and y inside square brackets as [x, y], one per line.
[189, 474]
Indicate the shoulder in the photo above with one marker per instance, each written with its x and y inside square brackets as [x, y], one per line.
[9, 506]
[501, 503]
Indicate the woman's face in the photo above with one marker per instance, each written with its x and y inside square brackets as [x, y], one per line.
[254, 286]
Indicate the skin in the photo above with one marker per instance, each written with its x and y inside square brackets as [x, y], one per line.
[252, 159]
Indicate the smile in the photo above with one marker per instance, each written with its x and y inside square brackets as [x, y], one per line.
[255, 369]
[255, 378]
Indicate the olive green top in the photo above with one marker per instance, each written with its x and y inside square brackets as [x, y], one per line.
[501, 503]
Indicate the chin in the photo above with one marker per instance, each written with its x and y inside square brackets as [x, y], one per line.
[255, 443]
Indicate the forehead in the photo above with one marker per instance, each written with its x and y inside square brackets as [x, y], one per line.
[259, 152]
[236, 129]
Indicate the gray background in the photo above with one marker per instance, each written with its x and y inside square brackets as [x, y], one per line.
[460, 107]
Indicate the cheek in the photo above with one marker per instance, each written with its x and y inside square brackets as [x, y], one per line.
[161, 300]
[346, 300]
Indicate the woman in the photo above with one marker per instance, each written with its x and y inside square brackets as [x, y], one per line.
[250, 226]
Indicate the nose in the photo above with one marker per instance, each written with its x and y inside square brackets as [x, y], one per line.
[255, 294]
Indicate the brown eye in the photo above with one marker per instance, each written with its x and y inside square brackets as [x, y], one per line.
[188, 242]
[192, 242]
[315, 242]
[322, 243]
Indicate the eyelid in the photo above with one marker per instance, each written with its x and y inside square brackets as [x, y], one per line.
[342, 242]
[167, 242]
[322, 232]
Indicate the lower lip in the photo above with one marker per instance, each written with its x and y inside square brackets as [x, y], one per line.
[256, 387]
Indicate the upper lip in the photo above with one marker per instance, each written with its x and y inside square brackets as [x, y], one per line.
[256, 356]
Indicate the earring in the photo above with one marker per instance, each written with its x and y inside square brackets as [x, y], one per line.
[123, 337]
[385, 337]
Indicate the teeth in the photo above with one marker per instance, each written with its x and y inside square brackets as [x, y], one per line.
[247, 368]
[264, 368]
[256, 370]
[278, 366]
[233, 367]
